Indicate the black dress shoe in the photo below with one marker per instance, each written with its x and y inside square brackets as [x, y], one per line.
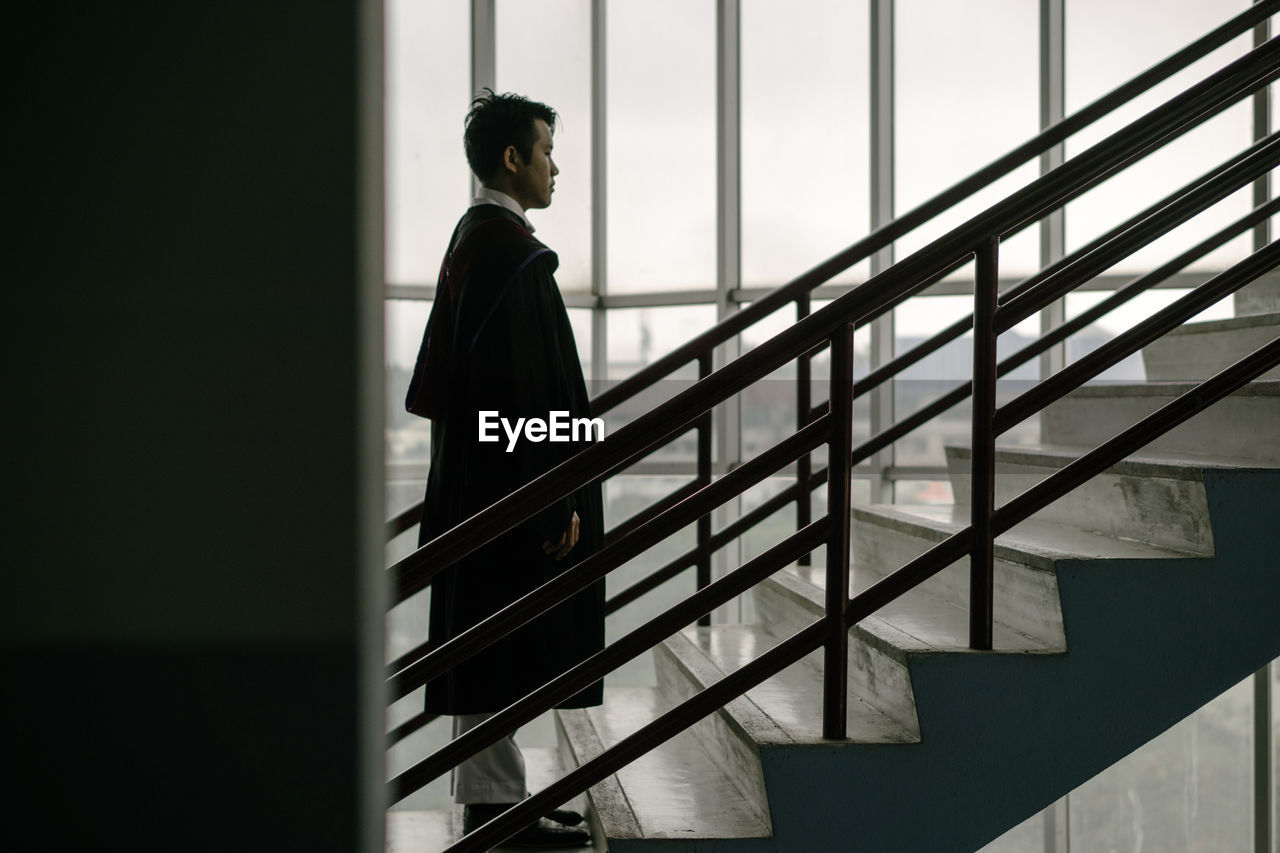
[546, 833]
[565, 816]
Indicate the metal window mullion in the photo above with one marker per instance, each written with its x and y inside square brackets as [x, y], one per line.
[1261, 101]
[1263, 756]
[1053, 238]
[1053, 229]
[599, 199]
[728, 421]
[1264, 811]
[484, 53]
[882, 205]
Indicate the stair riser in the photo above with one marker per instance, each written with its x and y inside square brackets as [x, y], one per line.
[878, 679]
[1259, 297]
[1201, 354]
[1171, 513]
[578, 743]
[1026, 599]
[1247, 426]
[736, 753]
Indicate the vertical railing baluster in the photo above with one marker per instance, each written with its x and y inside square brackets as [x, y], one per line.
[982, 496]
[804, 465]
[839, 447]
[704, 477]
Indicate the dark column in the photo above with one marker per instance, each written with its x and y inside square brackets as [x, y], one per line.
[179, 638]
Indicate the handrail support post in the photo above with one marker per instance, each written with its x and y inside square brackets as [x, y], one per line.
[804, 465]
[835, 688]
[982, 473]
[703, 533]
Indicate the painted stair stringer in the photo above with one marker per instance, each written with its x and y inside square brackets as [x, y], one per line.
[1002, 735]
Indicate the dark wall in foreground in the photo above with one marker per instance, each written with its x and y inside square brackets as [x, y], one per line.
[179, 638]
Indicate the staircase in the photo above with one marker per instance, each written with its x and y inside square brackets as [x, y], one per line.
[1099, 619]
[1120, 609]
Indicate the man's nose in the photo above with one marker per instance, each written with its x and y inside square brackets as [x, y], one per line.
[555, 170]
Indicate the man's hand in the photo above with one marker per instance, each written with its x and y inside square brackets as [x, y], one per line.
[566, 543]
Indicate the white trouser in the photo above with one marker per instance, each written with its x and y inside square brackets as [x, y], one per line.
[495, 775]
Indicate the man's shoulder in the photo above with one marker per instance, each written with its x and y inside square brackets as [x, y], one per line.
[498, 239]
[494, 227]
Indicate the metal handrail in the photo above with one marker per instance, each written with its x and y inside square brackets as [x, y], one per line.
[904, 279]
[902, 225]
[1233, 278]
[700, 555]
[596, 566]
[799, 288]
[634, 644]
[865, 603]
[1061, 482]
[1115, 350]
[440, 655]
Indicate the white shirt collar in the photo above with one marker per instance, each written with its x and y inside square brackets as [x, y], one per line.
[488, 195]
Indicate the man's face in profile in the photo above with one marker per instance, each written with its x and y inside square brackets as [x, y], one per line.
[534, 181]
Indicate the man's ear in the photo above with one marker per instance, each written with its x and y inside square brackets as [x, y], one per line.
[511, 159]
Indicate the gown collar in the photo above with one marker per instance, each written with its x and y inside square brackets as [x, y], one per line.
[487, 195]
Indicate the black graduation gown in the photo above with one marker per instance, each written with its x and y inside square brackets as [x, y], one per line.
[510, 350]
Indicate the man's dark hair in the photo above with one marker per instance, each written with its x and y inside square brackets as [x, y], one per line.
[496, 121]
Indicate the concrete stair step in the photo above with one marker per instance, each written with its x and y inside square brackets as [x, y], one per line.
[414, 831]
[878, 677]
[1028, 614]
[783, 710]
[931, 618]
[429, 830]
[677, 796]
[1244, 425]
[1154, 498]
[1199, 350]
[1155, 632]
[1261, 296]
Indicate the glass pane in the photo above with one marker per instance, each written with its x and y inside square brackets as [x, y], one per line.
[1102, 53]
[580, 320]
[805, 84]
[625, 496]
[662, 145]
[525, 33]
[939, 373]
[1189, 789]
[408, 436]
[1275, 751]
[775, 527]
[428, 86]
[638, 336]
[1121, 320]
[966, 93]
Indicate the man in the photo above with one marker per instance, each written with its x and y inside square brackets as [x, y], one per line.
[498, 341]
